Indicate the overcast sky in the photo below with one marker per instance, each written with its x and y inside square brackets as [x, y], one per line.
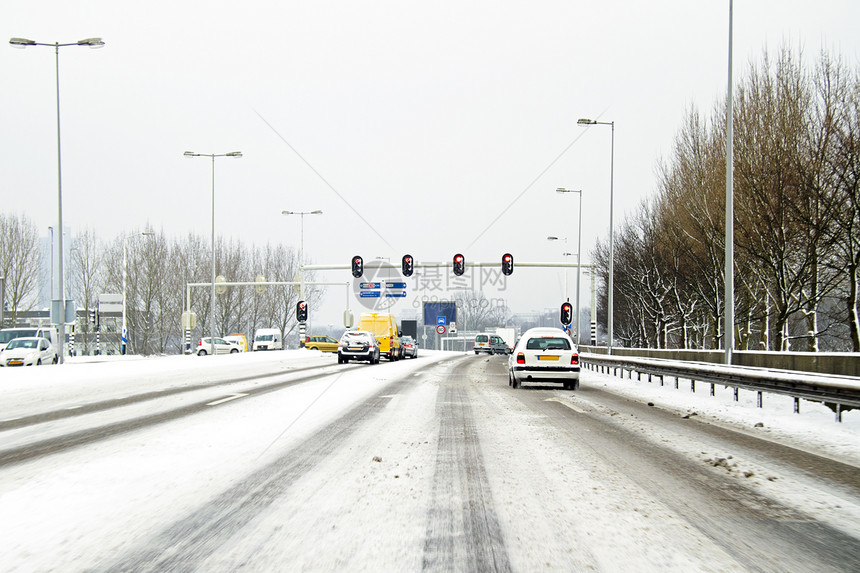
[428, 128]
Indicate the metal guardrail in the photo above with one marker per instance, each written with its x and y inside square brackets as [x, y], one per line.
[841, 391]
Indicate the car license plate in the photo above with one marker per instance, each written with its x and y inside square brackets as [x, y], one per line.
[354, 348]
[547, 357]
[16, 362]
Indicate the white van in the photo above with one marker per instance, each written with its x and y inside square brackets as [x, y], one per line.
[9, 334]
[268, 339]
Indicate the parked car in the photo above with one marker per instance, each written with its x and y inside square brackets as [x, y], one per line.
[268, 339]
[222, 346]
[544, 355]
[29, 351]
[239, 339]
[9, 334]
[321, 343]
[410, 347]
[358, 345]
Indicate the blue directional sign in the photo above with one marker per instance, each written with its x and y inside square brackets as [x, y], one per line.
[369, 294]
[369, 285]
[395, 285]
[443, 320]
[395, 293]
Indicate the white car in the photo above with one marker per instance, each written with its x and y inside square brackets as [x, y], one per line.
[28, 351]
[544, 355]
[222, 346]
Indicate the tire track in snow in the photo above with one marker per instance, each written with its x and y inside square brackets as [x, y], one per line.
[463, 531]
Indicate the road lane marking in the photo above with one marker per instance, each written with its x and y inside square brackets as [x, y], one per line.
[566, 403]
[227, 399]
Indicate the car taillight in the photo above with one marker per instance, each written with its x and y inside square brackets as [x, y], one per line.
[574, 359]
[521, 358]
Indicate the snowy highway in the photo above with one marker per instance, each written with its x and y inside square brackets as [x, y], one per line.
[286, 461]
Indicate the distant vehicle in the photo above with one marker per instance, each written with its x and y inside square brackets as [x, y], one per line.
[239, 339]
[358, 345]
[410, 347]
[222, 346]
[544, 355]
[28, 351]
[9, 334]
[268, 339]
[498, 345]
[384, 327]
[321, 343]
[482, 344]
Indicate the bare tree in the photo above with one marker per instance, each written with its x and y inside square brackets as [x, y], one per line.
[19, 262]
[87, 260]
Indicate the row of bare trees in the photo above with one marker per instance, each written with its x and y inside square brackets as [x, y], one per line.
[796, 228]
[158, 271]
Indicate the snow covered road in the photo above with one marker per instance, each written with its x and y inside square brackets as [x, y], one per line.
[429, 464]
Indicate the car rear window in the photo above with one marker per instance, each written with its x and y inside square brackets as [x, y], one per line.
[547, 344]
[481, 338]
[355, 337]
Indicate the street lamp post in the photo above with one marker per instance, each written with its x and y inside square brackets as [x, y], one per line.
[212, 302]
[729, 326]
[611, 318]
[301, 215]
[92, 43]
[578, 254]
[51, 287]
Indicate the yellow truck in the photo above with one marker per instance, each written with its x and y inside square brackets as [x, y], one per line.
[384, 328]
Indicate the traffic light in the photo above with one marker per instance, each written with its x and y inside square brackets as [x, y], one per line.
[302, 311]
[93, 316]
[357, 266]
[459, 264]
[566, 313]
[507, 264]
[407, 265]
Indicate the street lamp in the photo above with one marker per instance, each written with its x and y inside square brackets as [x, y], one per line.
[578, 254]
[236, 154]
[301, 215]
[92, 43]
[611, 318]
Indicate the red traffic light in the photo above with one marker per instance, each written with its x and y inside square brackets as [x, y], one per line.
[357, 266]
[507, 264]
[407, 265]
[459, 264]
[302, 311]
[566, 313]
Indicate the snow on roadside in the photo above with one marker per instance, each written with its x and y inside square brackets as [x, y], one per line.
[814, 429]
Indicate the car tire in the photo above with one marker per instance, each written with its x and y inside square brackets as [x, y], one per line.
[55, 360]
[515, 384]
[234, 351]
[39, 362]
[201, 353]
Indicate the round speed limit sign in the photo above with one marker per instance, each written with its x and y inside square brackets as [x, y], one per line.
[440, 329]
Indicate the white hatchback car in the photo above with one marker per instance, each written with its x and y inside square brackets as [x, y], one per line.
[221, 346]
[544, 355]
[28, 351]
